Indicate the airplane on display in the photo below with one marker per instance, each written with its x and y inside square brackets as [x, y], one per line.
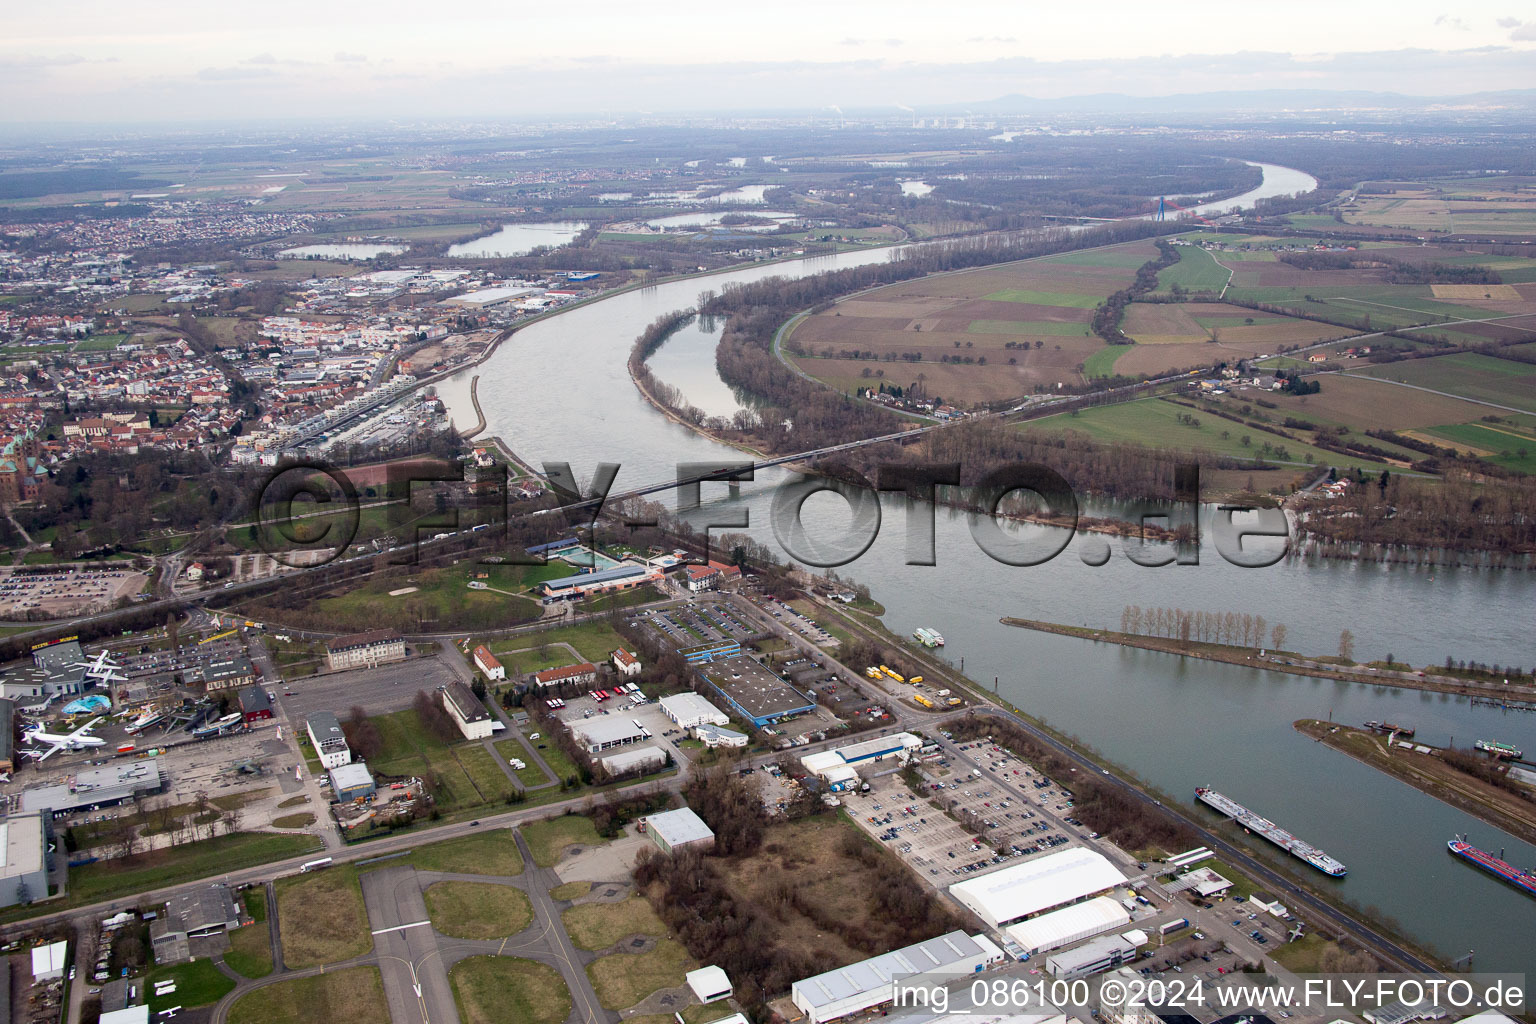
[80, 739]
[102, 669]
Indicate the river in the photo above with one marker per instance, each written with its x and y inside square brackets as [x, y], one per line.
[1177, 723]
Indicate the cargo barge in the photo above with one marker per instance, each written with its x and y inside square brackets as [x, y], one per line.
[1525, 881]
[1269, 830]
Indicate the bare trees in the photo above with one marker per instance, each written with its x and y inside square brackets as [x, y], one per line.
[1347, 646]
[1234, 628]
[362, 734]
[1277, 636]
[433, 718]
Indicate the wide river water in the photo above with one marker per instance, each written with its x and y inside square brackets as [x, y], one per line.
[1177, 723]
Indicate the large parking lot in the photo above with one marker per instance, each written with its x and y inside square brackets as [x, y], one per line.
[794, 620]
[381, 690]
[1004, 828]
[64, 592]
[688, 625]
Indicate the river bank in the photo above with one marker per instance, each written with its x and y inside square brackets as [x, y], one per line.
[1427, 773]
[1283, 661]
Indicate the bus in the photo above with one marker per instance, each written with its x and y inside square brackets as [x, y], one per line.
[924, 701]
[893, 674]
[915, 680]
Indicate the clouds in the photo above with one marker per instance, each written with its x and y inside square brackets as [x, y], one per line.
[1522, 31]
[351, 58]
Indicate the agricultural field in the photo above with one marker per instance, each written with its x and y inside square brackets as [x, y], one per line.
[1485, 378]
[971, 337]
[1481, 206]
[1179, 336]
[1195, 422]
[1185, 427]
[1507, 443]
[1196, 271]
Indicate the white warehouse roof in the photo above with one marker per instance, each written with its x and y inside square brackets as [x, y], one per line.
[690, 707]
[1060, 927]
[1028, 888]
[679, 827]
[868, 982]
[709, 983]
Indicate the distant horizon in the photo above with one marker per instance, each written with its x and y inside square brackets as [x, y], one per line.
[98, 62]
[1112, 103]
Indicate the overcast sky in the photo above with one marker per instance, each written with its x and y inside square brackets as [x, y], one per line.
[95, 60]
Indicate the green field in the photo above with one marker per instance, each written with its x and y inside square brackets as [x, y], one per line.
[1196, 271]
[250, 948]
[1468, 374]
[502, 990]
[493, 852]
[623, 979]
[477, 910]
[321, 917]
[1049, 328]
[1512, 449]
[594, 641]
[442, 594]
[548, 837]
[198, 983]
[352, 996]
[466, 774]
[1155, 423]
[597, 926]
[1097, 258]
[109, 879]
[1102, 362]
[530, 774]
[1070, 300]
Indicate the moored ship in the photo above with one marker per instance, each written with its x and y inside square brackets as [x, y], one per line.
[928, 637]
[1523, 880]
[1498, 749]
[1269, 830]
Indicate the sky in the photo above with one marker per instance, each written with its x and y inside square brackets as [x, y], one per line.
[95, 60]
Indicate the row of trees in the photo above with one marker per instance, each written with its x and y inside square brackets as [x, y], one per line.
[1205, 627]
[1107, 316]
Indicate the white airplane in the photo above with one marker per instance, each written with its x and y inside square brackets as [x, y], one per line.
[80, 739]
[102, 669]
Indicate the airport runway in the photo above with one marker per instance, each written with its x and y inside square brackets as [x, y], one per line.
[410, 957]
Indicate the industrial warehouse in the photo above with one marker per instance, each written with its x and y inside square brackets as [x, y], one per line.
[754, 692]
[1009, 895]
[848, 990]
